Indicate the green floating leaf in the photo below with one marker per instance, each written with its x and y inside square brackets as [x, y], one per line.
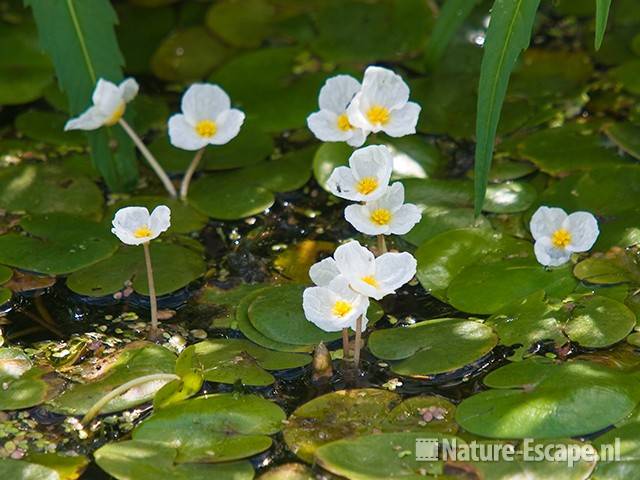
[227, 300]
[23, 385]
[187, 55]
[5, 274]
[142, 460]
[598, 322]
[616, 266]
[374, 457]
[625, 467]
[68, 467]
[627, 75]
[242, 24]
[424, 349]
[289, 471]
[80, 38]
[534, 399]
[213, 429]
[602, 13]
[230, 360]
[568, 148]
[486, 287]
[48, 189]
[444, 256]
[508, 34]
[174, 267]
[626, 136]
[23, 470]
[134, 361]
[449, 20]
[376, 30]
[436, 220]
[57, 244]
[257, 79]
[250, 147]
[48, 127]
[509, 197]
[24, 71]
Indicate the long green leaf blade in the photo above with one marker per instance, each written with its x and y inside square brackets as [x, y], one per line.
[79, 37]
[602, 14]
[450, 18]
[508, 34]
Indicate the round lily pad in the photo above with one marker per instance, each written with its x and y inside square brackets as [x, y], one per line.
[57, 244]
[26, 471]
[5, 274]
[68, 467]
[428, 192]
[241, 23]
[537, 398]
[215, 428]
[23, 385]
[626, 136]
[614, 267]
[424, 349]
[444, 256]
[486, 287]
[289, 471]
[48, 189]
[134, 361]
[598, 322]
[174, 267]
[229, 360]
[143, 460]
[509, 197]
[379, 457]
[187, 55]
[48, 127]
[436, 220]
[625, 467]
[337, 415]
[427, 412]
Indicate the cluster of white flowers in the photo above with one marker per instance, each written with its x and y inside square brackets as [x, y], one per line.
[348, 113]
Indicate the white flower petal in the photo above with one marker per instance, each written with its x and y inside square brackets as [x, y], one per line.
[128, 89]
[183, 135]
[357, 116]
[229, 123]
[392, 199]
[376, 162]
[358, 137]
[342, 184]
[317, 305]
[324, 125]
[91, 119]
[359, 216]
[404, 219]
[323, 272]
[127, 220]
[394, 270]
[354, 260]
[203, 101]
[584, 231]
[383, 87]
[337, 92]
[548, 255]
[160, 219]
[545, 221]
[403, 121]
[107, 97]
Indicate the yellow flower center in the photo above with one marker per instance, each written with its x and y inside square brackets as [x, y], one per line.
[367, 185]
[206, 128]
[381, 216]
[561, 238]
[341, 308]
[371, 280]
[378, 115]
[143, 232]
[343, 123]
[117, 115]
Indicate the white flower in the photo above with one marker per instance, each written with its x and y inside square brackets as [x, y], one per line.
[382, 104]
[558, 235]
[206, 119]
[335, 306]
[109, 103]
[387, 215]
[366, 274]
[331, 123]
[134, 225]
[367, 176]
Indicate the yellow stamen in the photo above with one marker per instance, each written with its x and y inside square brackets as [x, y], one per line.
[343, 123]
[143, 232]
[561, 238]
[367, 185]
[381, 216]
[378, 115]
[371, 280]
[117, 115]
[206, 128]
[341, 308]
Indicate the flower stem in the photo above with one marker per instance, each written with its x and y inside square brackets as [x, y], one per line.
[345, 342]
[358, 342]
[95, 409]
[152, 291]
[162, 175]
[184, 186]
[382, 244]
